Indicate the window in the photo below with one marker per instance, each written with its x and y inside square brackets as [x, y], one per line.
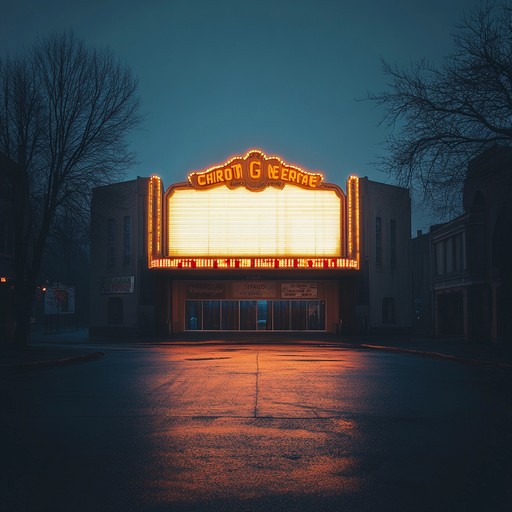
[439, 258]
[392, 242]
[388, 310]
[111, 244]
[282, 315]
[115, 310]
[248, 311]
[252, 315]
[378, 240]
[449, 256]
[127, 241]
[458, 253]
[193, 315]
[230, 315]
[211, 315]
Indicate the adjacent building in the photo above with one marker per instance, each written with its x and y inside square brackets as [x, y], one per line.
[253, 244]
[471, 274]
[384, 303]
[122, 288]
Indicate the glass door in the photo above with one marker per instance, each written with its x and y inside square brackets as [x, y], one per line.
[248, 312]
[264, 315]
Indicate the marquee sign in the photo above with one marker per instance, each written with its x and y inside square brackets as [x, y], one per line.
[255, 171]
[310, 225]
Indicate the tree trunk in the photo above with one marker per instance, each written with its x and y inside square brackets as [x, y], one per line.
[24, 303]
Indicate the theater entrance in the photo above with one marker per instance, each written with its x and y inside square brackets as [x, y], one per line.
[254, 315]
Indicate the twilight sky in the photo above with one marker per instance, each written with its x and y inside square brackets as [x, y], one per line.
[220, 77]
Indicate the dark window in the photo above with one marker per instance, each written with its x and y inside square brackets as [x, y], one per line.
[448, 256]
[211, 315]
[388, 310]
[115, 310]
[282, 315]
[299, 311]
[248, 315]
[193, 315]
[127, 241]
[230, 315]
[378, 240]
[439, 258]
[111, 244]
[457, 253]
[248, 311]
[316, 315]
[392, 242]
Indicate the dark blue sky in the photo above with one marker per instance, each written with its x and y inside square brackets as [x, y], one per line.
[220, 77]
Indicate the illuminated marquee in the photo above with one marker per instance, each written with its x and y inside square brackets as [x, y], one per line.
[291, 222]
[254, 171]
[216, 221]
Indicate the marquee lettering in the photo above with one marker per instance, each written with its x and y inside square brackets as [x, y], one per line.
[255, 171]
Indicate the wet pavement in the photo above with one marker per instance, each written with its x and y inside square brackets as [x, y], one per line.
[283, 426]
[77, 346]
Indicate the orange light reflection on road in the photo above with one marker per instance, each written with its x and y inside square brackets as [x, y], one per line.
[273, 460]
[234, 424]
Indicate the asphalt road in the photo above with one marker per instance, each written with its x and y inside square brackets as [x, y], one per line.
[256, 428]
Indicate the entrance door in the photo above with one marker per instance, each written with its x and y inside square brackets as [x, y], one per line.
[255, 315]
[316, 315]
[248, 315]
[264, 315]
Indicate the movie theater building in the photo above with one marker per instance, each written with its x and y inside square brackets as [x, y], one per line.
[254, 244]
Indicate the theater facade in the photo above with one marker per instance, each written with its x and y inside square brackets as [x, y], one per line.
[254, 244]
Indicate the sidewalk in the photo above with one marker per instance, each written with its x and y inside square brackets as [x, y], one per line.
[67, 347]
[38, 355]
[488, 354]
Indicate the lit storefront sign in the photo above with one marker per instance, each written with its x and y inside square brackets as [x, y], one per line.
[59, 300]
[251, 289]
[299, 290]
[206, 291]
[253, 212]
[254, 290]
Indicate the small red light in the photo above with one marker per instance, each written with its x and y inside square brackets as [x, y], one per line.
[3, 279]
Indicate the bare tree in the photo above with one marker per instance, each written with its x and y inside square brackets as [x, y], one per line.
[65, 111]
[442, 116]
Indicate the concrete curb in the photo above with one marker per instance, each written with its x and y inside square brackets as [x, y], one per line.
[439, 355]
[35, 365]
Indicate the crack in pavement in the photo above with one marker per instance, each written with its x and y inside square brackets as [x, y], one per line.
[257, 385]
